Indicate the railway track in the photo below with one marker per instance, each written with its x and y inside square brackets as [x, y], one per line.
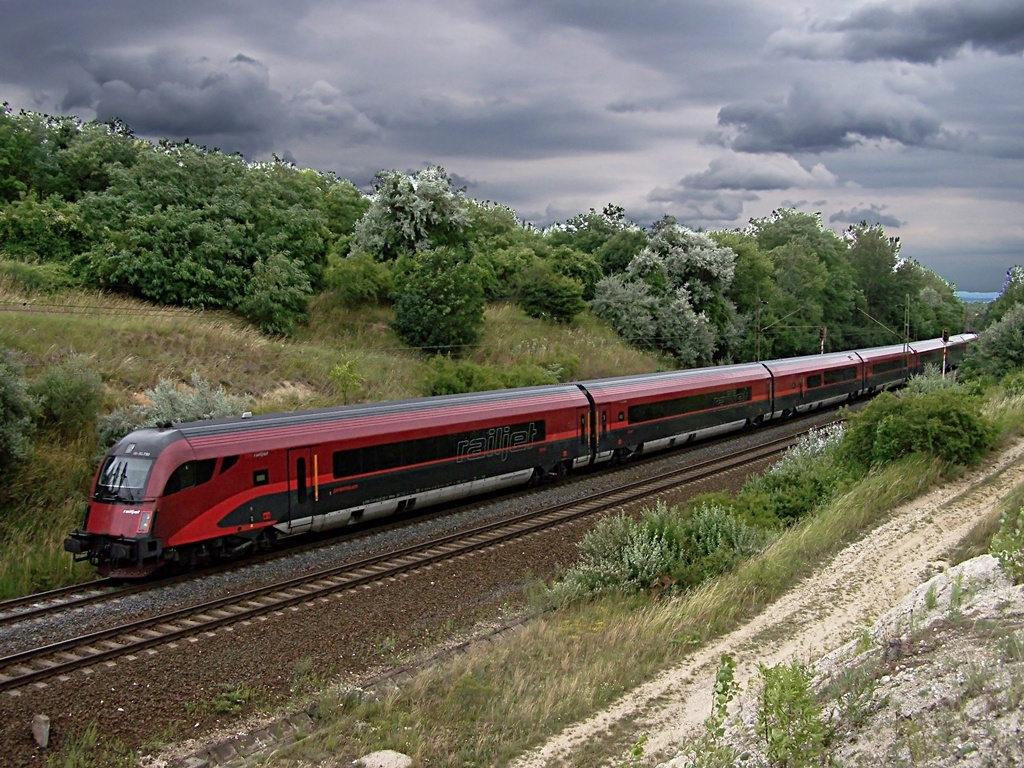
[33, 666]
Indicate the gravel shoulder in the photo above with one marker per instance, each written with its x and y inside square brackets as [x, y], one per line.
[861, 583]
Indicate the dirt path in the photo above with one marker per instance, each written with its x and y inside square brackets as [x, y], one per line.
[862, 582]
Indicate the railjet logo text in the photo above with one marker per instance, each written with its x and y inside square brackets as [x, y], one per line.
[499, 440]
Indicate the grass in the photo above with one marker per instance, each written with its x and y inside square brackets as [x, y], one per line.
[487, 707]
[133, 345]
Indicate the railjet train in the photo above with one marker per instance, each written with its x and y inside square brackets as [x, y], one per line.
[188, 494]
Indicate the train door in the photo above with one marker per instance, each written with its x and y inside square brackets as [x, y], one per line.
[300, 490]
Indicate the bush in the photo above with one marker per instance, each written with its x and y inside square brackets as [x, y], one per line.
[808, 476]
[44, 278]
[1008, 545]
[665, 550]
[15, 412]
[169, 403]
[439, 302]
[359, 279]
[452, 377]
[945, 423]
[68, 397]
[542, 292]
[789, 719]
[276, 295]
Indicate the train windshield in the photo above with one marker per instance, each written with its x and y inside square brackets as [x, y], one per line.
[123, 478]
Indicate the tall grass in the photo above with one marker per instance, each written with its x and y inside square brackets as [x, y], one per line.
[134, 345]
[490, 705]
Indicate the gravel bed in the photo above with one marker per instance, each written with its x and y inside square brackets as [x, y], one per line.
[166, 694]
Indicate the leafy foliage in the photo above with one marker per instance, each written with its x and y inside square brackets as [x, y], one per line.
[169, 403]
[1008, 545]
[68, 397]
[439, 302]
[453, 377]
[789, 720]
[358, 279]
[672, 296]
[410, 214]
[543, 292]
[40, 231]
[1000, 347]
[666, 549]
[15, 412]
[946, 423]
[809, 475]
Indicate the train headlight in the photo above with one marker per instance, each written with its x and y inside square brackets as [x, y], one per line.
[145, 520]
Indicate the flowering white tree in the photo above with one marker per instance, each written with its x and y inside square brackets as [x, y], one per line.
[409, 214]
[672, 296]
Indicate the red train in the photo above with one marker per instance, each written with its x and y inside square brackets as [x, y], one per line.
[192, 493]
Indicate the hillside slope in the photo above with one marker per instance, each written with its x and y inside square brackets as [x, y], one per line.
[842, 599]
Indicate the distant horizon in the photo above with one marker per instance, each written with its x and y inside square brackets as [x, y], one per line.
[985, 296]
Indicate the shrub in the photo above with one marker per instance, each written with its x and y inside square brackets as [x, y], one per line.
[664, 550]
[277, 294]
[44, 278]
[68, 396]
[359, 279]
[1008, 545]
[542, 292]
[788, 718]
[15, 412]
[499, 270]
[1000, 347]
[713, 540]
[169, 403]
[439, 302]
[807, 476]
[945, 423]
[451, 377]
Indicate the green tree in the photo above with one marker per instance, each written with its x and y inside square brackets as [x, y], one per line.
[203, 229]
[439, 302]
[1000, 347]
[40, 231]
[615, 253]
[837, 296]
[25, 164]
[1011, 295]
[577, 265]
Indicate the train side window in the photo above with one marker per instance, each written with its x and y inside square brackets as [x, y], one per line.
[228, 463]
[189, 474]
[814, 381]
[261, 477]
[622, 416]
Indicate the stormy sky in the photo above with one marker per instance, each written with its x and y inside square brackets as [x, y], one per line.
[907, 114]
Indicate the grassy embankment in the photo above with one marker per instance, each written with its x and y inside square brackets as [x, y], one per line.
[133, 345]
[486, 707]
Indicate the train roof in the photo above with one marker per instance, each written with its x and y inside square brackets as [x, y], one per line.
[669, 381]
[394, 417]
[805, 363]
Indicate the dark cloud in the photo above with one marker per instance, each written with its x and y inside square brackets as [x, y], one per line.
[872, 214]
[556, 107]
[815, 119]
[922, 33]
[700, 208]
[758, 173]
